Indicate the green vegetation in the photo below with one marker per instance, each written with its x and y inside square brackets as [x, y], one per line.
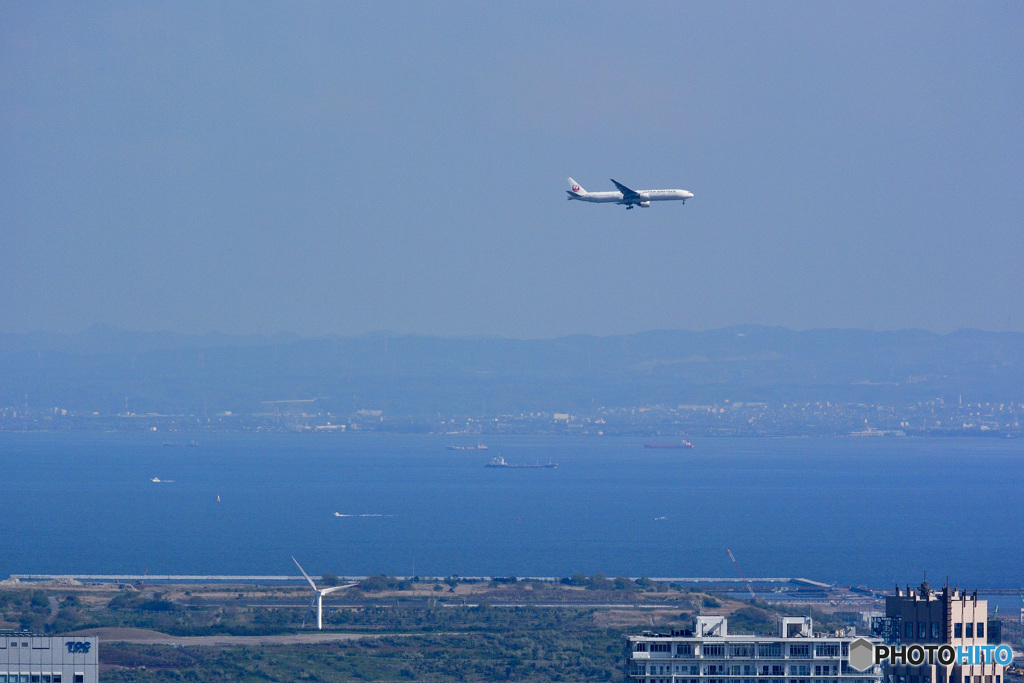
[571, 655]
[379, 583]
[753, 619]
[27, 610]
[426, 630]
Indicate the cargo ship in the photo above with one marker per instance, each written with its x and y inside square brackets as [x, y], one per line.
[500, 462]
[683, 444]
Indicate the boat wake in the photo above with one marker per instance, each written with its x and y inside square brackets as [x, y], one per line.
[369, 514]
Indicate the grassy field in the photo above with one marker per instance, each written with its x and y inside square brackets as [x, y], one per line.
[444, 630]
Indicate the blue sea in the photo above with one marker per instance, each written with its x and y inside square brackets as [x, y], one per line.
[873, 511]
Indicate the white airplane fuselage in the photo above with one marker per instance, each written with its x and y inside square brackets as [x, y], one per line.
[647, 195]
[629, 198]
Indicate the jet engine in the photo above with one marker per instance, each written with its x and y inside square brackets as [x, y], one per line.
[644, 204]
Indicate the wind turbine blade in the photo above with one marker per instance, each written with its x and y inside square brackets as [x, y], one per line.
[325, 591]
[304, 573]
[308, 610]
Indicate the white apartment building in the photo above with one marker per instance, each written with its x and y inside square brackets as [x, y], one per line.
[710, 654]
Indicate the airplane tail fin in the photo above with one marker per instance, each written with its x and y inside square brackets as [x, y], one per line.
[575, 190]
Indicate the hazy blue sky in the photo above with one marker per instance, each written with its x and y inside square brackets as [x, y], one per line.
[343, 168]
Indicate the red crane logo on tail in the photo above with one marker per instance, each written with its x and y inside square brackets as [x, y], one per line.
[575, 188]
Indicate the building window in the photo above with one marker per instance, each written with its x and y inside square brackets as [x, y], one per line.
[935, 630]
[714, 650]
[769, 650]
[969, 632]
[958, 630]
[79, 678]
[56, 678]
[826, 649]
[981, 629]
[909, 635]
[922, 630]
[803, 651]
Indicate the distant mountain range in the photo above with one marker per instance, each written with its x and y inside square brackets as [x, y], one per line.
[102, 368]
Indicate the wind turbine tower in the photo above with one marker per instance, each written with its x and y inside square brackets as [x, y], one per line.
[318, 597]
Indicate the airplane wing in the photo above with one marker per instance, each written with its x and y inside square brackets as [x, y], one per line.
[626, 192]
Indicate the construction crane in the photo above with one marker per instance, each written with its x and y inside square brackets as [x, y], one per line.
[740, 572]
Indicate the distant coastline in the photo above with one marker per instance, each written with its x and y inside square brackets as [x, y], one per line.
[737, 381]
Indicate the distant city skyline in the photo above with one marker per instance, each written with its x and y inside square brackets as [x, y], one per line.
[341, 169]
[881, 380]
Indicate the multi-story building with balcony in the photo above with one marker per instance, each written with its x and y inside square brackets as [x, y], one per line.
[710, 654]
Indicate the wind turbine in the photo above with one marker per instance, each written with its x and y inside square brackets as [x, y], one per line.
[318, 597]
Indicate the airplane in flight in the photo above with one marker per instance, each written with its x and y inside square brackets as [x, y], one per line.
[626, 196]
